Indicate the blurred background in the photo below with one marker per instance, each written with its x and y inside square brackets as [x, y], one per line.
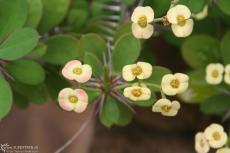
[35, 118]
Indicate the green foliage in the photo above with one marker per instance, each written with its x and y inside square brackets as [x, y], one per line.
[18, 44]
[54, 12]
[198, 90]
[217, 104]
[225, 48]
[126, 51]
[38, 51]
[200, 50]
[34, 93]
[94, 62]
[61, 49]
[195, 7]
[26, 71]
[160, 6]
[5, 97]
[94, 44]
[224, 6]
[13, 14]
[34, 13]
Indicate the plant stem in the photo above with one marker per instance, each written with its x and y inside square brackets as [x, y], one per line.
[157, 20]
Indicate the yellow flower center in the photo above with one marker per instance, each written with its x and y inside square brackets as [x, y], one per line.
[77, 71]
[175, 83]
[137, 71]
[215, 73]
[136, 92]
[142, 21]
[166, 108]
[216, 136]
[181, 20]
[73, 99]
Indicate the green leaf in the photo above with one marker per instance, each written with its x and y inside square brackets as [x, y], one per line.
[94, 44]
[77, 18]
[195, 7]
[126, 51]
[217, 104]
[125, 115]
[225, 47]
[122, 30]
[200, 50]
[55, 83]
[156, 77]
[35, 13]
[111, 109]
[198, 89]
[38, 51]
[160, 6]
[61, 49]
[94, 62]
[26, 71]
[34, 93]
[224, 6]
[104, 120]
[54, 12]
[5, 97]
[18, 44]
[146, 103]
[20, 101]
[13, 15]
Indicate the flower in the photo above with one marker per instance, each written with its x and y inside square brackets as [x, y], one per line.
[201, 143]
[73, 100]
[166, 107]
[179, 17]
[227, 74]
[174, 84]
[74, 70]
[141, 70]
[223, 150]
[137, 93]
[214, 73]
[215, 135]
[202, 14]
[141, 18]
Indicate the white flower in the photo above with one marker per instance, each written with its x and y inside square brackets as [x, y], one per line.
[73, 100]
[166, 107]
[141, 18]
[201, 15]
[74, 70]
[174, 84]
[201, 143]
[227, 74]
[216, 136]
[137, 93]
[223, 150]
[141, 70]
[214, 73]
[179, 17]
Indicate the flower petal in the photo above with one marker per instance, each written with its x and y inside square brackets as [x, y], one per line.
[142, 11]
[80, 107]
[146, 70]
[63, 99]
[183, 31]
[127, 72]
[142, 33]
[85, 75]
[67, 71]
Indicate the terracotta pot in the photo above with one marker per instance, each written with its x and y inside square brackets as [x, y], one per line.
[47, 127]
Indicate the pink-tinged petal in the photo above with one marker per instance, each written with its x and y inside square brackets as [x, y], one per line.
[81, 95]
[67, 71]
[63, 99]
[80, 107]
[86, 74]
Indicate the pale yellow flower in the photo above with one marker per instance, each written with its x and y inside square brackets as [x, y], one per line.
[223, 150]
[216, 136]
[227, 74]
[137, 93]
[141, 18]
[201, 143]
[166, 107]
[214, 73]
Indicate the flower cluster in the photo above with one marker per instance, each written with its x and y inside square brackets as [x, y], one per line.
[171, 85]
[215, 71]
[179, 16]
[214, 137]
[75, 99]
